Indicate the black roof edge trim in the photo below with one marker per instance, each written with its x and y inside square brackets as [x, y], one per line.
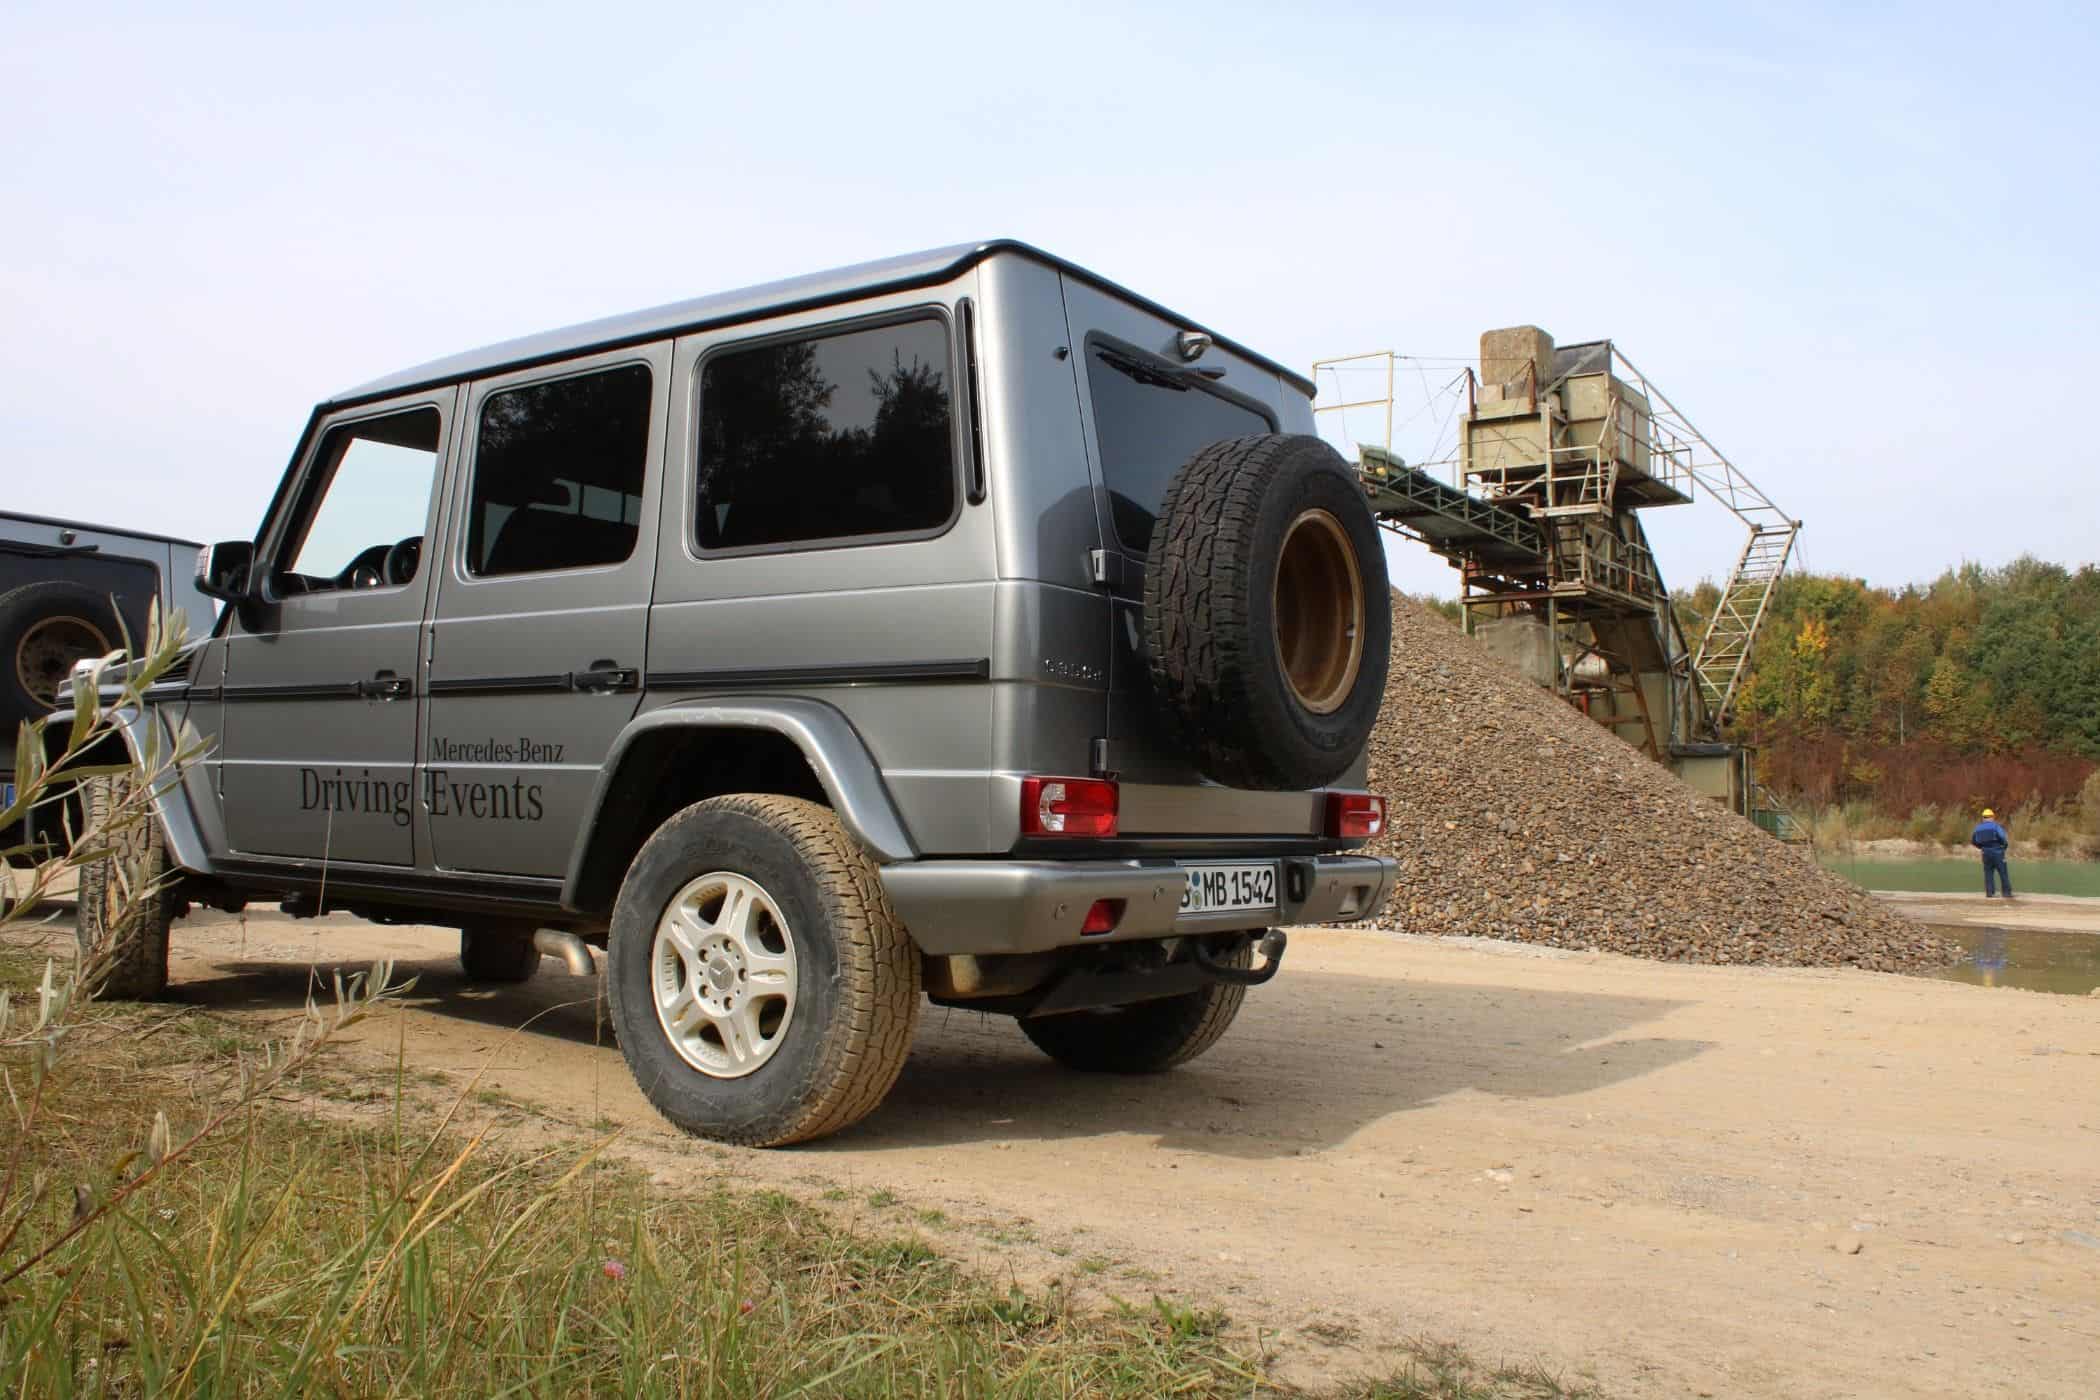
[99, 529]
[977, 254]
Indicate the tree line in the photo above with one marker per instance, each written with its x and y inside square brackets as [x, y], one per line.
[1980, 686]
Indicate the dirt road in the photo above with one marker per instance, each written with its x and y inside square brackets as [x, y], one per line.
[1654, 1174]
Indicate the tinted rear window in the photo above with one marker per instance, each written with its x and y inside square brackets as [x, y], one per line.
[1150, 421]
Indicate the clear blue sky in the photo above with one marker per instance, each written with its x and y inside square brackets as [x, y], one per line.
[1856, 247]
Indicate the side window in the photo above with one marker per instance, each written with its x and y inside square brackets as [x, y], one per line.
[365, 505]
[827, 438]
[558, 471]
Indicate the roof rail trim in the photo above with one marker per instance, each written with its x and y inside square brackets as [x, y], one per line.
[924, 270]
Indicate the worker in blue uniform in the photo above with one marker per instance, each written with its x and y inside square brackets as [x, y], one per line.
[1991, 839]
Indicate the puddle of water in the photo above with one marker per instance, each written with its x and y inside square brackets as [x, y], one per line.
[2037, 960]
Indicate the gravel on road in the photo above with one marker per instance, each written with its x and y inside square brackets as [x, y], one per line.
[1513, 816]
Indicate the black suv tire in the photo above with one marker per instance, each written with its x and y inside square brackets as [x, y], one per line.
[852, 972]
[44, 628]
[1268, 618]
[497, 953]
[1147, 1036]
[125, 905]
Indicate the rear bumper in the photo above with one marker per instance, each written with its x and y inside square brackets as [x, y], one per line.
[1027, 906]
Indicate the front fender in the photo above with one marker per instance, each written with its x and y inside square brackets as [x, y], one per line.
[828, 741]
[152, 743]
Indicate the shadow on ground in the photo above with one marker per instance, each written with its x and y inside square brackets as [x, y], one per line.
[1314, 1058]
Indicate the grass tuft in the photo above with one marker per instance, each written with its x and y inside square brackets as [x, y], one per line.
[1438, 1371]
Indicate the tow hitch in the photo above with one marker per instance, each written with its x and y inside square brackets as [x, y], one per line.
[1270, 947]
[1112, 976]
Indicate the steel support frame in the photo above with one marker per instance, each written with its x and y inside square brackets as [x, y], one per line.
[1679, 456]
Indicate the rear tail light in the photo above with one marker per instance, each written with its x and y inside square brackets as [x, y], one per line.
[1068, 807]
[1354, 816]
[1103, 917]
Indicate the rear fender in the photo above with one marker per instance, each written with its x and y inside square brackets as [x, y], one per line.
[833, 749]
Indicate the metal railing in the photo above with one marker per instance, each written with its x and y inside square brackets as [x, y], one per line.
[1771, 812]
[1401, 495]
[1723, 656]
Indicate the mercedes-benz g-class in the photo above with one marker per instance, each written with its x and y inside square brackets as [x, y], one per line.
[960, 625]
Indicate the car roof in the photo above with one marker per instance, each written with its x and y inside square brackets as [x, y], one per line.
[816, 289]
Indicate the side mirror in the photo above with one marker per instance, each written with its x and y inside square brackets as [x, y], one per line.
[222, 570]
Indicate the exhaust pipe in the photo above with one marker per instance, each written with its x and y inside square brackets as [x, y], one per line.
[573, 951]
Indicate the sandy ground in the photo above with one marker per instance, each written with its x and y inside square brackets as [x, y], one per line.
[1652, 1174]
[2048, 913]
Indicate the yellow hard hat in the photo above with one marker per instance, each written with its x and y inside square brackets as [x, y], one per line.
[1989, 813]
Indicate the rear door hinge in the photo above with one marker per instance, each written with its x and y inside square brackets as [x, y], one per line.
[1105, 568]
[1099, 760]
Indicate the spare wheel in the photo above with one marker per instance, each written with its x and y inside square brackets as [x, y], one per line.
[45, 628]
[1267, 615]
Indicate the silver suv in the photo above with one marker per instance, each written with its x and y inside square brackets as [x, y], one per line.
[958, 626]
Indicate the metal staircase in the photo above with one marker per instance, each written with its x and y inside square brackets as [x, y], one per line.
[1723, 656]
[1724, 651]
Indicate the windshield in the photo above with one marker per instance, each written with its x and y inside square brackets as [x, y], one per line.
[1150, 419]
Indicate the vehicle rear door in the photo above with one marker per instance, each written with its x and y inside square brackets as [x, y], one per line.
[318, 743]
[1146, 411]
[543, 602]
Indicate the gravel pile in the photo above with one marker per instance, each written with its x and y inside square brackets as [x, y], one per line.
[1515, 817]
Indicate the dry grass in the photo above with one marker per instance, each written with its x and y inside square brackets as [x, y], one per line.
[2062, 831]
[296, 1254]
[292, 1254]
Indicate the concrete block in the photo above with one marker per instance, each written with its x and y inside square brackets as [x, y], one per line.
[1506, 354]
[1523, 642]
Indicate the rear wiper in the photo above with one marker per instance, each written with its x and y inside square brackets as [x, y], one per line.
[1158, 376]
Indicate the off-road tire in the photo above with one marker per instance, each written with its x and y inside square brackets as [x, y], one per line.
[22, 612]
[857, 990]
[122, 934]
[497, 953]
[1145, 1037]
[1215, 665]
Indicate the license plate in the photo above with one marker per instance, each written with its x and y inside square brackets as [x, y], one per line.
[1216, 888]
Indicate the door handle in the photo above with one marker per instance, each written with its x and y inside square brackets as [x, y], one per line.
[604, 677]
[386, 686]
